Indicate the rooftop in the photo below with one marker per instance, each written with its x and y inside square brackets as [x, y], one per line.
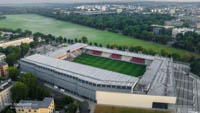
[35, 104]
[84, 72]
[66, 50]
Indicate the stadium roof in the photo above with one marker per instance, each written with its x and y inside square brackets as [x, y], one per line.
[149, 57]
[84, 72]
[66, 49]
[151, 72]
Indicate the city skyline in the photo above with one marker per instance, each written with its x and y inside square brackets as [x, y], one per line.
[76, 1]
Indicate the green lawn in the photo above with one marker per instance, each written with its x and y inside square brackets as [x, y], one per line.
[112, 65]
[55, 27]
[112, 109]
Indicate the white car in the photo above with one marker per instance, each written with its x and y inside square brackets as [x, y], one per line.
[62, 90]
[56, 87]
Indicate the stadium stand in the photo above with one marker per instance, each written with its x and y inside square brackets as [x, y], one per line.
[97, 53]
[138, 60]
[126, 58]
[106, 55]
[116, 56]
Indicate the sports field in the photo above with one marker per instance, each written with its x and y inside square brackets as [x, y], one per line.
[112, 65]
[37, 23]
[111, 109]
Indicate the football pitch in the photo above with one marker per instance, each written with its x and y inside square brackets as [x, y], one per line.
[111, 65]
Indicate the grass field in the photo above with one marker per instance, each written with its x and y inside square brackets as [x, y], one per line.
[110, 109]
[112, 65]
[47, 25]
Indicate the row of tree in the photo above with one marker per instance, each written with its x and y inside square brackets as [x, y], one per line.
[18, 33]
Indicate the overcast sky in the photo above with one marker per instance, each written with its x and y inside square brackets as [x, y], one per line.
[73, 1]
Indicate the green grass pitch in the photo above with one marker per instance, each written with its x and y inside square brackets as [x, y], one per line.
[111, 65]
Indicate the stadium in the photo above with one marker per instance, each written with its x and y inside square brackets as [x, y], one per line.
[113, 77]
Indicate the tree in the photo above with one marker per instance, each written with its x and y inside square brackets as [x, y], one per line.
[13, 73]
[186, 56]
[72, 107]
[67, 100]
[10, 111]
[84, 39]
[35, 90]
[24, 48]
[195, 67]
[11, 59]
[19, 91]
[164, 52]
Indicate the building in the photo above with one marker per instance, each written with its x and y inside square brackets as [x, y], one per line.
[2, 57]
[28, 106]
[5, 94]
[176, 31]
[155, 89]
[172, 11]
[119, 10]
[16, 42]
[3, 69]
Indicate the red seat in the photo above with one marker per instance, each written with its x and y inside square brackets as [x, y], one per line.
[97, 53]
[116, 56]
[138, 60]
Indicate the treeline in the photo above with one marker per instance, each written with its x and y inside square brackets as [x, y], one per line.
[134, 25]
[17, 33]
[189, 41]
[2, 17]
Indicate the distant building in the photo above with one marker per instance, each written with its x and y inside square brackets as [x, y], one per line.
[16, 42]
[156, 30]
[176, 31]
[5, 94]
[198, 26]
[29, 106]
[174, 23]
[3, 69]
[172, 11]
[119, 10]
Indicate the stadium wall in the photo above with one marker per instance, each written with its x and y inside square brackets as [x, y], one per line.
[68, 82]
[131, 100]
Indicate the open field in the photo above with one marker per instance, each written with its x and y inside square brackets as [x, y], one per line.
[111, 109]
[112, 65]
[47, 25]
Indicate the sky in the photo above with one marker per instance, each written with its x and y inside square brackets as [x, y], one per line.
[76, 1]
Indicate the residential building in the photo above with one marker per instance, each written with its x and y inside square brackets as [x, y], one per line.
[16, 42]
[5, 94]
[2, 57]
[3, 69]
[176, 31]
[29, 106]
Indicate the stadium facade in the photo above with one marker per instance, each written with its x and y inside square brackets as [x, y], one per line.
[155, 89]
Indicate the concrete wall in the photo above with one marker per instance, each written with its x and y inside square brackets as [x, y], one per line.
[106, 55]
[131, 100]
[148, 62]
[126, 58]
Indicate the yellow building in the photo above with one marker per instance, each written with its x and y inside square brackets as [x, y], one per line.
[16, 42]
[27, 106]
